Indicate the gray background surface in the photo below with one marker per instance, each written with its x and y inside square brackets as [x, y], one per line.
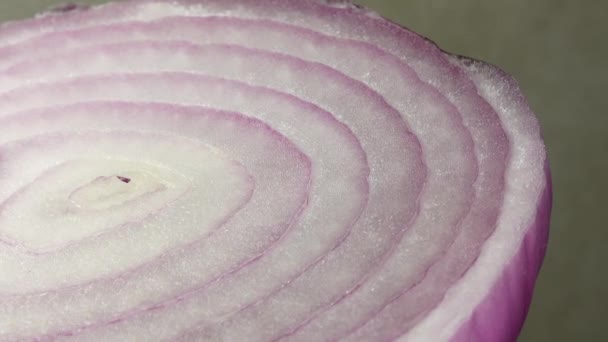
[557, 50]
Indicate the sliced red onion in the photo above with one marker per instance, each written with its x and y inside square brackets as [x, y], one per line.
[278, 169]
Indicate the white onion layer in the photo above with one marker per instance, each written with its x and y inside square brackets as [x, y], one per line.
[278, 169]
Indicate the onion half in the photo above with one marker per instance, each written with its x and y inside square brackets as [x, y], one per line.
[260, 170]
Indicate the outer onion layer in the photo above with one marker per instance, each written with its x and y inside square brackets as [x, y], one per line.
[260, 170]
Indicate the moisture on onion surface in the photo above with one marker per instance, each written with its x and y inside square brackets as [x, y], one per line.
[239, 170]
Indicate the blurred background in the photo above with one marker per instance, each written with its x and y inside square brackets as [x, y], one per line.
[557, 51]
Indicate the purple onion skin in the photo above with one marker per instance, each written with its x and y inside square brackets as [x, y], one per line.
[501, 315]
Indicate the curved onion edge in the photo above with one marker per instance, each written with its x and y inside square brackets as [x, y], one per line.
[500, 315]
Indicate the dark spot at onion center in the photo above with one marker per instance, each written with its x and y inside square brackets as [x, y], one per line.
[124, 179]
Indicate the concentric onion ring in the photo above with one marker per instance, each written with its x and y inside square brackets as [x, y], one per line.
[278, 169]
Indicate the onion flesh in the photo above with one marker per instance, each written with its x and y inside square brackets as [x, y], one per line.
[299, 170]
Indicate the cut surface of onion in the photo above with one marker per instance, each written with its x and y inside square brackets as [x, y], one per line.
[233, 170]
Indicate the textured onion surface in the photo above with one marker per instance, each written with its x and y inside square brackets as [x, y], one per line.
[260, 170]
